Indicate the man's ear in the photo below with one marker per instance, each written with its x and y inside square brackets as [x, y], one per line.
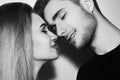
[88, 5]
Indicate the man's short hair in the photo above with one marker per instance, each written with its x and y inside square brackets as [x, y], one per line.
[41, 4]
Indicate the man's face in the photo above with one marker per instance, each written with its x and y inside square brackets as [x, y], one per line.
[71, 20]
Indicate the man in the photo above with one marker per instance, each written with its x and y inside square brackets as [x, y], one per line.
[82, 24]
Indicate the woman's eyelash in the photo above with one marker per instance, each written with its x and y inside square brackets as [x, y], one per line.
[43, 25]
[43, 28]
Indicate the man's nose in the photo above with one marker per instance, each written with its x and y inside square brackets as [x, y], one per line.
[61, 30]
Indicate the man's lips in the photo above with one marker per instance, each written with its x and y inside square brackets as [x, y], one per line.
[71, 35]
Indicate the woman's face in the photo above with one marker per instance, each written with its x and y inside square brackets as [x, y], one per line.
[43, 43]
[43, 40]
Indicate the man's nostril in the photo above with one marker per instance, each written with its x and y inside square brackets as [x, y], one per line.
[62, 33]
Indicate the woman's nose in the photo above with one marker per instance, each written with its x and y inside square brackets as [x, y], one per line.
[52, 35]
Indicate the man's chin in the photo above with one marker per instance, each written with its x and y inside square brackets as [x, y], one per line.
[79, 45]
[82, 45]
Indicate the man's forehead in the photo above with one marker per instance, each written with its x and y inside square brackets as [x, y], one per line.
[55, 5]
[52, 8]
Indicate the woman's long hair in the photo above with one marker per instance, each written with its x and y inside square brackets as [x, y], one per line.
[15, 42]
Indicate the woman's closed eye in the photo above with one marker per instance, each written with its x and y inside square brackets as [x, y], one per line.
[43, 28]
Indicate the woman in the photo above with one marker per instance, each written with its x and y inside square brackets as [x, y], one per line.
[24, 43]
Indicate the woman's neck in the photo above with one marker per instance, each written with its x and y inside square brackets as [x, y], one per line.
[64, 68]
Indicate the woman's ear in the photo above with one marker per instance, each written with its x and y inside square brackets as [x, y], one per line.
[88, 5]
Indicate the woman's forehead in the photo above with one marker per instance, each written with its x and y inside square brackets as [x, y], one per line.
[29, 2]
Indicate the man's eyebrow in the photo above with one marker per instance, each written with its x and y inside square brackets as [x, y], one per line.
[56, 14]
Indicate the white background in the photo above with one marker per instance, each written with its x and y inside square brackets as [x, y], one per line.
[111, 9]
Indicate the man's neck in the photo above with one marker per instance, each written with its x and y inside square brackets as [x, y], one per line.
[107, 36]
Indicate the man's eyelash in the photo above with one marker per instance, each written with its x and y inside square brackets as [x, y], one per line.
[63, 16]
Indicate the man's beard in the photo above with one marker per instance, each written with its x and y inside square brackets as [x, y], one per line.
[82, 54]
[87, 39]
[76, 56]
